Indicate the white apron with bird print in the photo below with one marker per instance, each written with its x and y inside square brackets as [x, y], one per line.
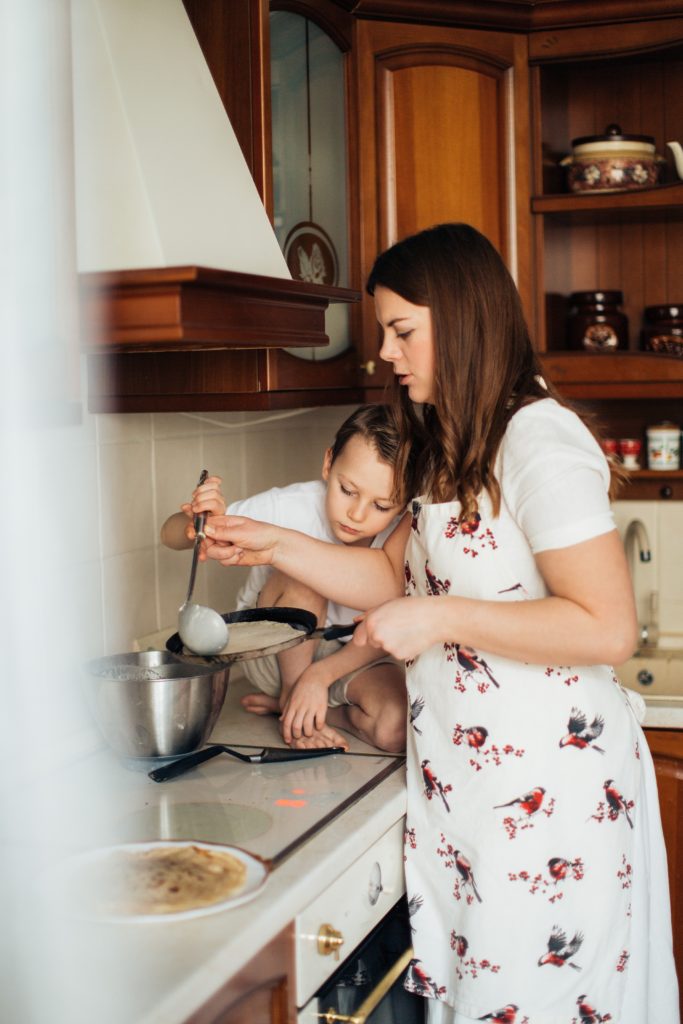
[527, 816]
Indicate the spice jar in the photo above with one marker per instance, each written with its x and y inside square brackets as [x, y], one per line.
[595, 322]
[664, 446]
[663, 329]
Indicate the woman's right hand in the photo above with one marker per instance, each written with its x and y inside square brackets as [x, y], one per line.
[236, 540]
[404, 627]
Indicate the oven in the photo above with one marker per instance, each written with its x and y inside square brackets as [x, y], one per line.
[368, 987]
[353, 944]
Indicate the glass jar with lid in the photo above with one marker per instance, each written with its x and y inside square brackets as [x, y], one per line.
[663, 329]
[596, 323]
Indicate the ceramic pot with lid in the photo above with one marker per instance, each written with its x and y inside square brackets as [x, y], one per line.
[612, 162]
[663, 329]
[596, 323]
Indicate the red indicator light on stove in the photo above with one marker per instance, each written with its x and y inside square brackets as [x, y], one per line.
[291, 803]
[298, 792]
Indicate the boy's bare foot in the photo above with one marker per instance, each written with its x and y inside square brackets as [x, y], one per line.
[325, 737]
[260, 704]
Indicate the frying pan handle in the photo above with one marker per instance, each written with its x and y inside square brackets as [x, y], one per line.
[183, 764]
[336, 632]
[271, 754]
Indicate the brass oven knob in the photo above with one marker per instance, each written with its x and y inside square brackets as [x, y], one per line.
[369, 367]
[329, 941]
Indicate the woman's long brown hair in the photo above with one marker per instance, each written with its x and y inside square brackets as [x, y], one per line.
[486, 367]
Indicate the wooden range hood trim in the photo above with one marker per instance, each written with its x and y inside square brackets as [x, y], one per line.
[511, 15]
[193, 308]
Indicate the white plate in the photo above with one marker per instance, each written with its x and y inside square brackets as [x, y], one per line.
[70, 870]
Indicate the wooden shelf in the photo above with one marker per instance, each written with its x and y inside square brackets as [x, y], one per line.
[656, 474]
[643, 204]
[615, 375]
[653, 484]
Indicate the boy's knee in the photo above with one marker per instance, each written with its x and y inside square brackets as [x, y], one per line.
[280, 590]
[390, 734]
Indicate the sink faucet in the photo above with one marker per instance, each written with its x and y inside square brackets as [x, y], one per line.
[636, 538]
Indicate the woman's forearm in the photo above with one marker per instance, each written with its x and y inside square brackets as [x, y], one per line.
[587, 618]
[356, 577]
[547, 631]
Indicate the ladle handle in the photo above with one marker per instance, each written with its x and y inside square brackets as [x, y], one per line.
[198, 523]
[200, 519]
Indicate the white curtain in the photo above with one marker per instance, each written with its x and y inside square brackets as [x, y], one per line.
[43, 509]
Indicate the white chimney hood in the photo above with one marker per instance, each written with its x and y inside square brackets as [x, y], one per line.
[160, 178]
[174, 246]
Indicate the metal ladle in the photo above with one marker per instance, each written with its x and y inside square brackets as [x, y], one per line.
[202, 630]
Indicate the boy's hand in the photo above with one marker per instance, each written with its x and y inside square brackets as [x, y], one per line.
[305, 708]
[177, 531]
[207, 498]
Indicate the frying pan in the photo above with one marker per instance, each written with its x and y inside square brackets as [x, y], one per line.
[300, 619]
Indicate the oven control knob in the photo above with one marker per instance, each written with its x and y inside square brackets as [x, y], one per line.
[329, 940]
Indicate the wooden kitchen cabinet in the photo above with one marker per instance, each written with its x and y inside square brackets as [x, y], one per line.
[458, 111]
[195, 339]
[443, 136]
[666, 746]
[438, 130]
[261, 993]
[235, 34]
[583, 80]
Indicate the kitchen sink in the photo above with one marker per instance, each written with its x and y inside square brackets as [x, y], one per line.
[655, 671]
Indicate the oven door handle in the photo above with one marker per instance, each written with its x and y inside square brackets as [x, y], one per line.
[376, 996]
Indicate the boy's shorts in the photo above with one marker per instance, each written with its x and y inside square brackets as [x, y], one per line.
[264, 673]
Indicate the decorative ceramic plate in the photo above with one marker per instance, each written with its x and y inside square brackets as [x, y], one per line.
[310, 254]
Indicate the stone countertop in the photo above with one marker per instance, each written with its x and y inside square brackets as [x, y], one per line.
[663, 713]
[161, 972]
[237, 726]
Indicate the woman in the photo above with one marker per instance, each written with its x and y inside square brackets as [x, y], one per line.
[534, 855]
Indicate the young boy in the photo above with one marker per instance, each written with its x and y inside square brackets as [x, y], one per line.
[320, 686]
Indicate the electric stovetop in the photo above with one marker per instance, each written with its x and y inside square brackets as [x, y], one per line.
[268, 809]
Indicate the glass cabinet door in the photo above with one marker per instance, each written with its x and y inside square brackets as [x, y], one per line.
[310, 163]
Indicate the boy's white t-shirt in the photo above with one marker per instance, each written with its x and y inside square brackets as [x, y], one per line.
[299, 506]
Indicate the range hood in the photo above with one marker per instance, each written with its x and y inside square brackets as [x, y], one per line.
[175, 249]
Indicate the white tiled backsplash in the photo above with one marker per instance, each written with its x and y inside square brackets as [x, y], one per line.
[144, 466]
[663, 522]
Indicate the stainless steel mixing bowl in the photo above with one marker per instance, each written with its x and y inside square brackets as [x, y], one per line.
[154, 704]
